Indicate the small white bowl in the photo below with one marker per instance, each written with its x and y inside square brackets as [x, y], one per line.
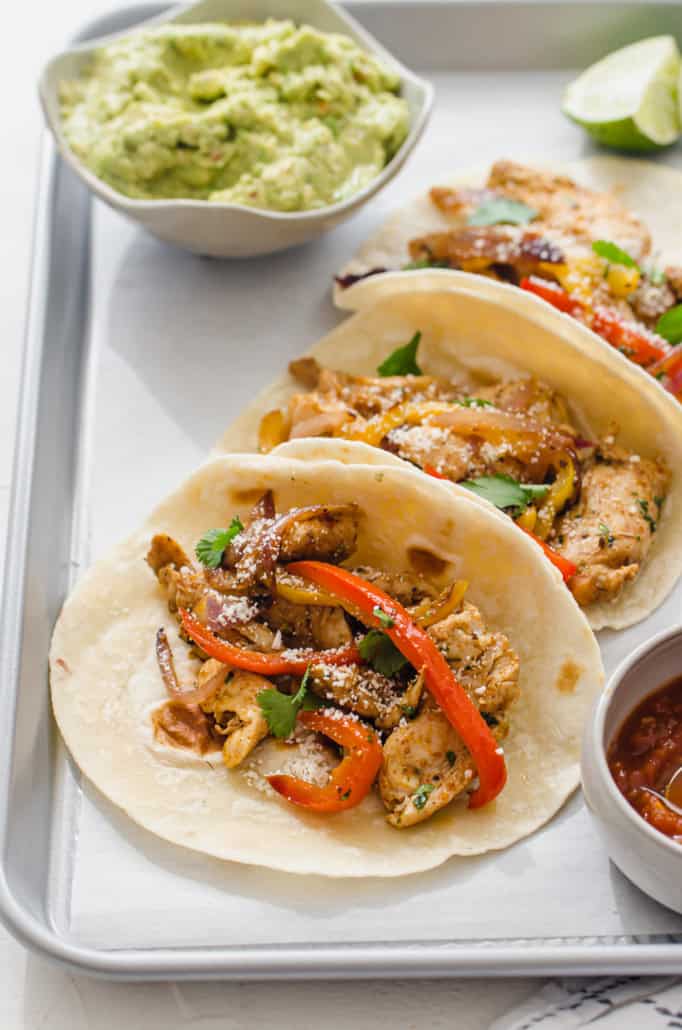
[231, 230]
[647, 857]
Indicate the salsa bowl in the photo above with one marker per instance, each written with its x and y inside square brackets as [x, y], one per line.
[230, 230]
[650, 859]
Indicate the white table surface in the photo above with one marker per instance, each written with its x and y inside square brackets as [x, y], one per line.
[34, 994]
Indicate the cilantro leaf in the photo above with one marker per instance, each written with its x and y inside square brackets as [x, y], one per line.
[505, 491]
[421, 794]
[669, 325]
[211, 547]
[280, 710]
[613, 253]
[655, 275]
[385, 620]
[412, 266]
[474, 402]
[501, 210]
[381, 653]
[403, 360]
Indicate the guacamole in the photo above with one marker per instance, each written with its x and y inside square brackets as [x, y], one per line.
[271, 115]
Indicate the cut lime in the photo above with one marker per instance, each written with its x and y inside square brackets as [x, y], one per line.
[630, 98]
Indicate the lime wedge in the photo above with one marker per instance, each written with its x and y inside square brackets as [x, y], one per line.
[630, 98]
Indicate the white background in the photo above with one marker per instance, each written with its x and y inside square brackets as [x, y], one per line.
[33, 994]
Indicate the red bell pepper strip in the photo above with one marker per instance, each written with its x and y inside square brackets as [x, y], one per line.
[420, 650]
[669, 369]
[554, 295]
[351, 780]
[566, 567]
[272, 663]
[431, 471]
[639, 345]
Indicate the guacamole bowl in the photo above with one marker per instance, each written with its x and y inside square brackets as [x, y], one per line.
[214, 227]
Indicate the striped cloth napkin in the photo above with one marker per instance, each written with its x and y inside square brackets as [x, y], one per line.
[615, 1003]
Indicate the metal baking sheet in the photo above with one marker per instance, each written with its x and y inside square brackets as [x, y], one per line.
[137, 356]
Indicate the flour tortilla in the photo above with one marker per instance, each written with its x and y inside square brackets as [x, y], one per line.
[478, 326]
[104, 677]
[651, 191]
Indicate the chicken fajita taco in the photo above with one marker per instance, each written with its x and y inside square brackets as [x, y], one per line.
[469, 385]
[599, 241]
[318, 667]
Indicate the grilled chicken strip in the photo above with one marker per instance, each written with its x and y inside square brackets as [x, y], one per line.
[310, 625]
[426, 764]
[361, 690]
[609, 532]
[329, 536]
[235, 711]
[569, 208]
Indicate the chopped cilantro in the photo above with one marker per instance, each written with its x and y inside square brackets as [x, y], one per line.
[613, 253]
[211, 547]
[381, 653]
[451, 757]
[646, 515]
[280, 710]
[606, 535]
[409, 710]
[669, 325]
[403, 360]
[345, 795]
[421, 794]
[501, 210]
[656, 275]
[385, 620]
[474, 402]
[506, 492]
[658, 501]
[412, 266]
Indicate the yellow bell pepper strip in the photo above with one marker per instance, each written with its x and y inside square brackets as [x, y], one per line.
[431, 611]
[420, 650]
[267, 663]
[351, 780]
[558, 496]
[375, 429]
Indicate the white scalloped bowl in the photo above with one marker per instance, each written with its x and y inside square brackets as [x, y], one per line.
[231, 230]
[647, 857]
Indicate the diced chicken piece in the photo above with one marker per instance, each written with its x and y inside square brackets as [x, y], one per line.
[237, 714]
[483, 661]
[425, 766]
[609, 532]
[408, 589]
[569, 208]
[367, 693]
[329, 536]
[651, 300]
[306, 371]
[673, 275]
[163, 551]
[310, 625]
[433, 446]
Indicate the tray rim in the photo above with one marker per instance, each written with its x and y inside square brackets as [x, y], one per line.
[371, 960]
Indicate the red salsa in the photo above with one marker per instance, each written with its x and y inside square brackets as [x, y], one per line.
[646, 756]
